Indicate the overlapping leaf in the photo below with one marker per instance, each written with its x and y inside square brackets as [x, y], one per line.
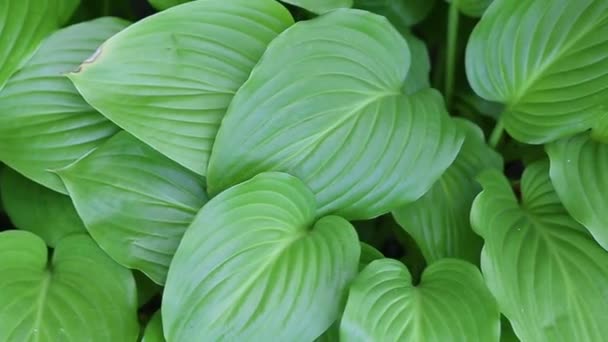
[169, 78]
[402, 13]
[44, 123]
[135, 202]
[78, 295]
[326, 104]
[547, 61]
[154, 329]
[254, 265]
[549, 276]
[320, 6]
[579, 171]
[439, 221]
[34, 208]
[451, 303]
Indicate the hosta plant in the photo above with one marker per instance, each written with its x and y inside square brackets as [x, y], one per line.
[304, 170]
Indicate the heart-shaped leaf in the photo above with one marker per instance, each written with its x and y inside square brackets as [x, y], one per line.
[439, 221]
[402, 13]
[579, 171]
[546, 60]
[37, 209]
[326, 104]
[80, 294]
[23, 25]
[549, 276]
[154, 329]
[135, 202]
[169, 78]
[44, 123]
[320, 6]
[254, 265]
[451, 303]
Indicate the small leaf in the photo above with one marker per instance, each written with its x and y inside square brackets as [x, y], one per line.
[255, 266]
[80, 294]
[402, 13]
[548, 275]
[325, 109]
[579, 171]
[154, 329]
[320, 6]
[169, 78]
[368, 254]
[439, 221]
[37, 209]
[546, 61]
[162, 5]
[135, 202]
[472, 8]
[451, 303]
[44, 123]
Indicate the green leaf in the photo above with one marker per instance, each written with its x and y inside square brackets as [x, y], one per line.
[254, 265]
[546, 61]
[135, 202]
[320, 6]
[154, 329]
[146, 288]
[23, 25]
[439, 221]
[79, 294]
[34, 208]
[418, 75]
[472, 8]
[368, 254]
[402, 13]
[548, 275]
[44, 123]
[579, 171]
[326, 105]
[451, 303]
[162, 5]
[169, 78]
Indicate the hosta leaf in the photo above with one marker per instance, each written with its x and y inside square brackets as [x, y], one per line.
[320, 6]
[549, 276]
[579, 171]
[169, 78]
[546, 60]
[164, 4]
[402, 13]
[439, 221]
[34, 208]
[23, 25]
[325, 109]
[154, 329]
[472, 8]
[418, 75]
[451, 303]
[135, 202]
[80, 294]
[254, 265]
[44, 123]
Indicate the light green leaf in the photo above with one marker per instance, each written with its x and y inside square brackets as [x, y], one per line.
[80, 294]
[34, 208]
[326, 105]
[23, 25]
[439, 221]
[154, 329]
[169, 78]
[550, 278]
[135, 202]
[579, 171]
[546, 60]
[472, 8]
[255, 266]
[162, 5]
[402, 13]
[44, 123]
[320, 6]
[451, 303]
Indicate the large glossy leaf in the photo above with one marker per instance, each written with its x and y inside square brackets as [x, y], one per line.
[451, 303]
[579, 171]
[169, 78]
[402, 13]
[549, 276]
[320, 6]
[254, 265]
[439, 220]
[37, 209]
[154, 329]
[23, 25]
[546, 60]
[44, 123]
[135, 202]
[80, 294]
[326, 104]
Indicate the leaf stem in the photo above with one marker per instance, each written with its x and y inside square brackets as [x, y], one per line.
[497, 134]
[450, 60]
